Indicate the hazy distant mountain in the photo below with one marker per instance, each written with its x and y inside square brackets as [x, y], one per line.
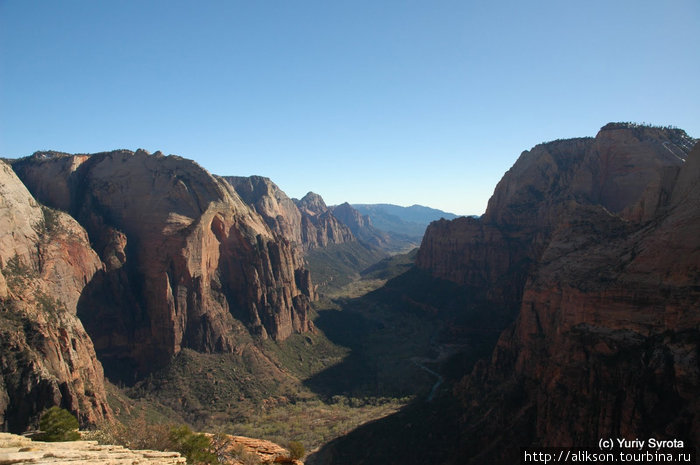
[409, 221]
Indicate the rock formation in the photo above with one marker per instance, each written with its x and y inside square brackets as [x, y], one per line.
[279, 211]
[263, 451]
[308, 222]
[320, 227]
[596, 244]
[361, 226]
[19, 449]
[46, 357]
[186, 260]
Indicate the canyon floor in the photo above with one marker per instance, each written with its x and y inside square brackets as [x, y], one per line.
[370, 355]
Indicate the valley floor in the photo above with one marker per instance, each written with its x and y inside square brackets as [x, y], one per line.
[366, 360]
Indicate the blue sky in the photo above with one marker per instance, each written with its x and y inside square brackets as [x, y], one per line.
[404, 102]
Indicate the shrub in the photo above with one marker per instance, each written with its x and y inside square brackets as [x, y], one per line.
[138, 433]
[58, 424]
[296, 450]
[196, 447]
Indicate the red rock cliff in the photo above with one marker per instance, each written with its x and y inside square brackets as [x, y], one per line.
[601, 237]
[188, 263]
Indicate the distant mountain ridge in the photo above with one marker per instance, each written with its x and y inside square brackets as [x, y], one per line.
[408, 221]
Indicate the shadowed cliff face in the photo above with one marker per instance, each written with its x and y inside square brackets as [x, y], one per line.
[46, 357]
[597, 244]
[628, 172]
[187, 262]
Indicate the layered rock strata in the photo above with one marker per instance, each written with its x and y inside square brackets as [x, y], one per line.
[186, 260]
[46, 357]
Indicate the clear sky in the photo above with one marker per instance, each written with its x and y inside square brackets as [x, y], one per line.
[403, 102]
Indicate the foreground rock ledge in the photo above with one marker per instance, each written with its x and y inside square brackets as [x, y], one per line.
[18, 449]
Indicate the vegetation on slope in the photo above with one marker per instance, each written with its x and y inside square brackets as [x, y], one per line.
[365, 361]
[338, 265]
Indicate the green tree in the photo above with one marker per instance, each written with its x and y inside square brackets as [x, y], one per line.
[58, 424]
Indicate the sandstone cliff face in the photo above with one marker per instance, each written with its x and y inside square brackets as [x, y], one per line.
[308, 222]
[46, 357]
[279, 211]
[600, 238]
[187, 263]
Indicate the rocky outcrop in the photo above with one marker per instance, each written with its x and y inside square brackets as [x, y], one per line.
[235, 448]
[46, 357]
[187, 262]
[597, 244]
[18, 450]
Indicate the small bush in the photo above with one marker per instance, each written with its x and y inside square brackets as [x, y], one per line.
[196, 447]
[138, 433]
[58, 424]
[296, 450]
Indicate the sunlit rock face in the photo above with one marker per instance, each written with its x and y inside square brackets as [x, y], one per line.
[308, 222]
[187, 262]
[596, 245]
[46, 357]
[320, 227]
[361, 226]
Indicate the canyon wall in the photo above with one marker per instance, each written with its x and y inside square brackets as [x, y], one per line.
[596, 245]
[46, 357]
[308, 222]
[187, 262]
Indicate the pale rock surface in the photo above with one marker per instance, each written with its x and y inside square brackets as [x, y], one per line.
[19, 450]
